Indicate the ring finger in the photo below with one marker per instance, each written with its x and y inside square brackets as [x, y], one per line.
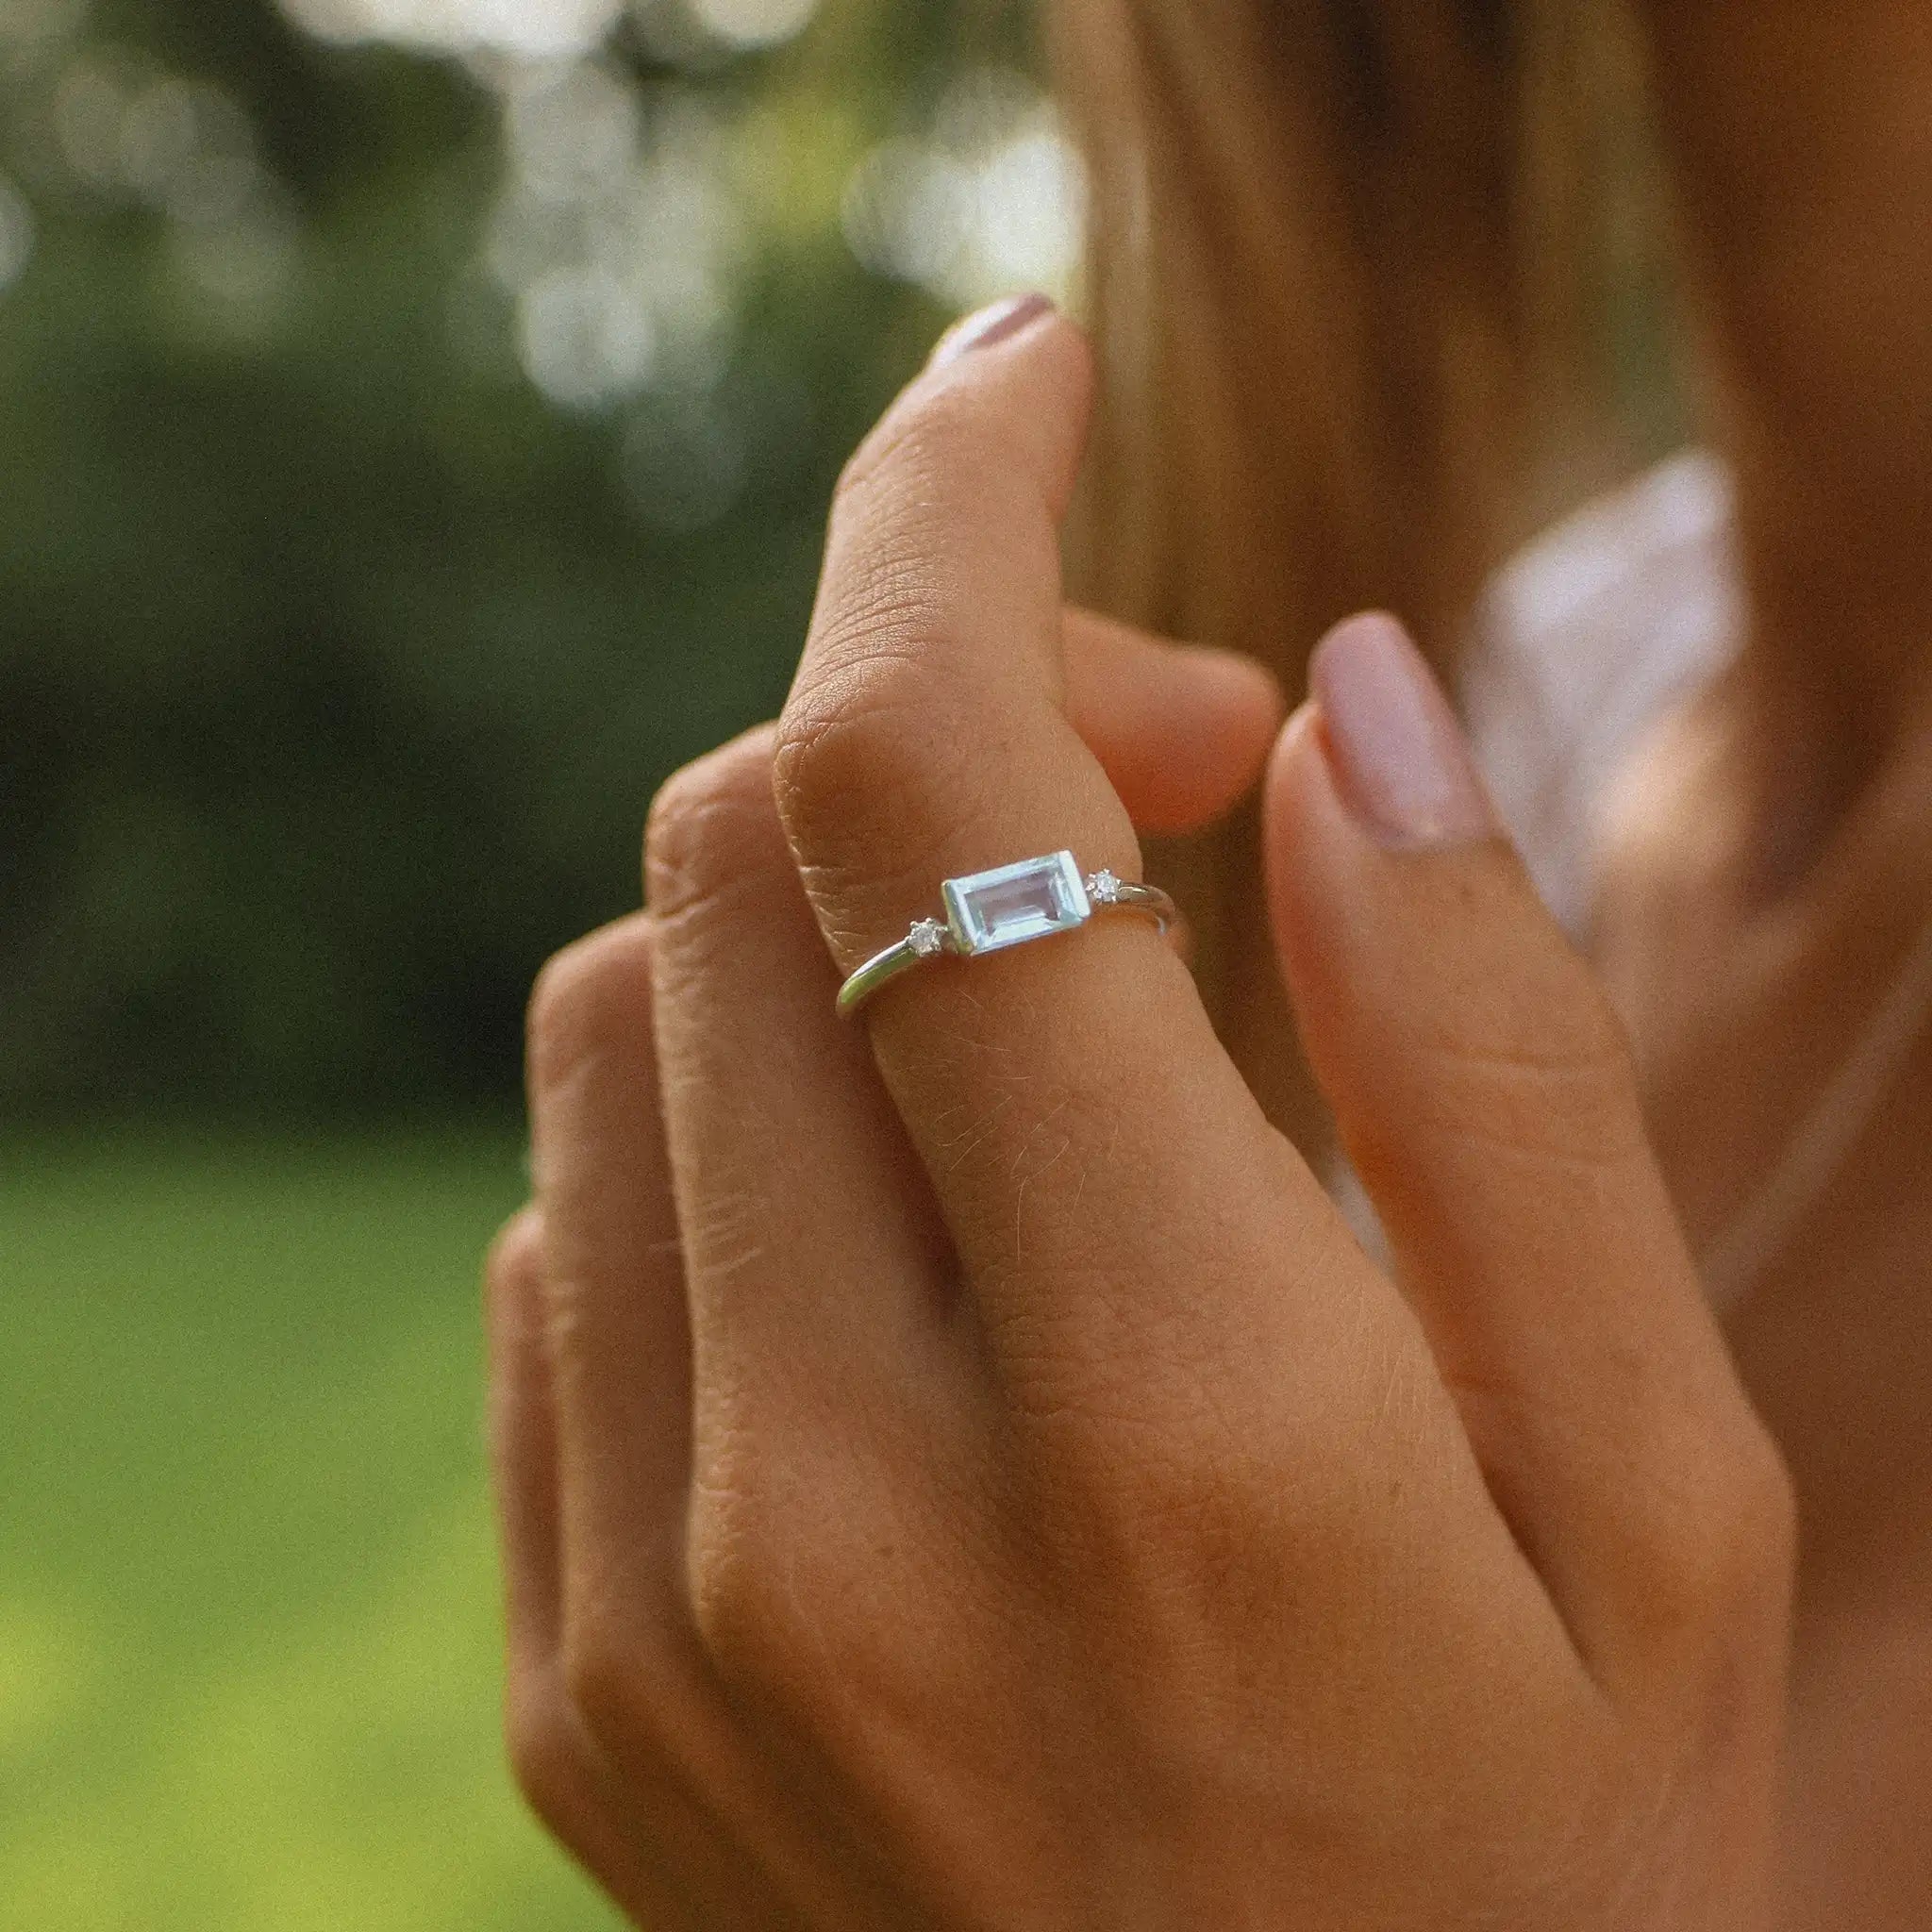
[1047, 1087]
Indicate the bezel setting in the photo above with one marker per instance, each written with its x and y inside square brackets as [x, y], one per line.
[1007, 905]
[987, 911]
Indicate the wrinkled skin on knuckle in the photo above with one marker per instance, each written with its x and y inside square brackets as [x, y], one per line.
[851, 743]
[893, 570]
[865, 756]
[726, 1214]
[929, 453]
[711, 827]
[886, 590]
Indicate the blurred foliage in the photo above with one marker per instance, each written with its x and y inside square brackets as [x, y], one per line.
[408, 454]
[356, 593]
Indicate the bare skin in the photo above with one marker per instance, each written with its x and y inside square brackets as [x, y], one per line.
[963, 1473]
[1781, 862]
[867, 1565]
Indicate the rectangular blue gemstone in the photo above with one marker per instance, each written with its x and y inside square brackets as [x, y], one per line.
[987, 910]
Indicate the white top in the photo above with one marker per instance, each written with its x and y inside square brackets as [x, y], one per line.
[1583, 643]
[1585, 639]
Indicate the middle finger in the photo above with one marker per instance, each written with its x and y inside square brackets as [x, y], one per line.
[819, 1274]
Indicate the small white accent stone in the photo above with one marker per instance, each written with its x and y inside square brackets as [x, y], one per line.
[1104, 886]
[927, 937]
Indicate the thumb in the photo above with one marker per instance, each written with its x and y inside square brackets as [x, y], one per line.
[1181, 730]
[1484, 1092]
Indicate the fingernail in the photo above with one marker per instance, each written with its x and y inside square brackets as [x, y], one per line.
[1400, 762]
[985, 325]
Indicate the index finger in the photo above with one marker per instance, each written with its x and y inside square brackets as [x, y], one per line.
[1070, 1099]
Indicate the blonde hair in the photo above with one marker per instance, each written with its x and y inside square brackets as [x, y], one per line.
[1348, 275]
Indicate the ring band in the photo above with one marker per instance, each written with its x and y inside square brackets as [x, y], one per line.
[987, 911]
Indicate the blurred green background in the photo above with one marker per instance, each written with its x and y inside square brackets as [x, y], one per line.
[416, 419]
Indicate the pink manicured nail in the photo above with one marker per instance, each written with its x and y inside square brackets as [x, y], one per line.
[1400, 761]
[993, 325]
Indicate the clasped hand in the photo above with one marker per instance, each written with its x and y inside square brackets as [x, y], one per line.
[958, 1470]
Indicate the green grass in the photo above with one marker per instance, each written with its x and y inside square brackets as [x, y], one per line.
[249, 1614]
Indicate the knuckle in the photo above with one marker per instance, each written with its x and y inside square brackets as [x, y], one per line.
[545, 1750]
[769, 1591]
[1143, 1474]
[859, 750]
[1131, 1445]
[1730, 1545]
[606, 1681]
[1564, 1088]
[515, 1262]
[710, 824]
[1758, 1511]
[941, 440]
[586, 994]
[916, 449]
[746, 1614]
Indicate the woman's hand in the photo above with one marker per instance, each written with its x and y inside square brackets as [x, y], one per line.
[958, 1470]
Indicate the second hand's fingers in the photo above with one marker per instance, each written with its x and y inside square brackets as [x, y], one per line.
[1484, 1090]
[1181, 730]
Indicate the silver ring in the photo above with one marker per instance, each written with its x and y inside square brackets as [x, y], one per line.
[987, 911]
